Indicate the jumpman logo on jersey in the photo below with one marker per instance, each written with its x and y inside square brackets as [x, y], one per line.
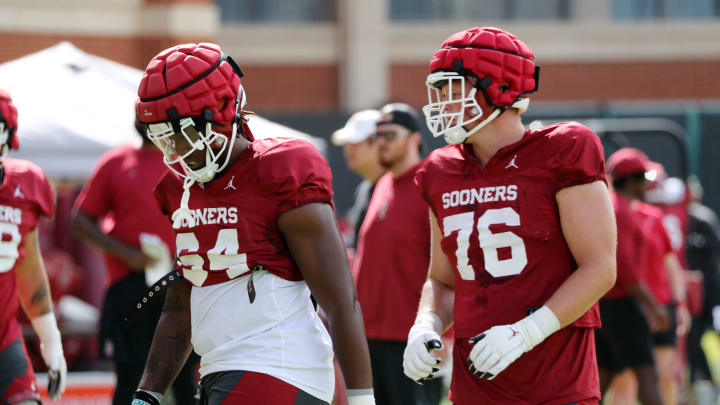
[514, 333]
[230, 185]
[512, 163]
[18, 193]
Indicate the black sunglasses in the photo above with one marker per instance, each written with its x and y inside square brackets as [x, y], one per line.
[388, 135]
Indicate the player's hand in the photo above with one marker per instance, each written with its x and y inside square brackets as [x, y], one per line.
[418, 362]
[684, 320]
[658, 318]
[136, 259]
[498, 347]
[52, 353]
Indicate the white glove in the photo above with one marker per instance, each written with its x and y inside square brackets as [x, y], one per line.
[423, 338]
[499, 346]
[52, 353]
[361, 397]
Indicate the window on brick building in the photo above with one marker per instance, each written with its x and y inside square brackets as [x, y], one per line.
[479, 9]
[307, 11]
[670, 9]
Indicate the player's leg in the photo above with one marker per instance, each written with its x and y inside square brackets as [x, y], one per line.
[127, 379]
[666, 359]
[247, 387]
[393, 386]
[624, 389]
[17, 381]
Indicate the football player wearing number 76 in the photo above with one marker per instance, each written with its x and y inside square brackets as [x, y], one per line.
[255, 235]
[523, 234]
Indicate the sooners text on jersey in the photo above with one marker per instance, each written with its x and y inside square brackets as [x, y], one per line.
[236, 214]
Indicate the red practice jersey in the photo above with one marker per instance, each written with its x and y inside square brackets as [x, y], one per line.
[657, 245]
[236, 214]
[393, 257]
[503, 236]
[630, 245]
[25, 196]
[119, 193]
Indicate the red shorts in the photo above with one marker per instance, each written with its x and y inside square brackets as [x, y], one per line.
[561, 370]
[247, 387]
[17, 380]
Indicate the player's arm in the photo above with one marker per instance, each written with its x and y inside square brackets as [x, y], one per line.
[316, 246]
[434, 312]
[87, 227]
[676, 277]
[591, 239]
[34, 294]
[171, 344]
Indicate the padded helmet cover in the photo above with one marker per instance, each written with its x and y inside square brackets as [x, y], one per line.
[8, 115]
[492, 53]
[195, 79]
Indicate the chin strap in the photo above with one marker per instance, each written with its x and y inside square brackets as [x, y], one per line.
[184, 212]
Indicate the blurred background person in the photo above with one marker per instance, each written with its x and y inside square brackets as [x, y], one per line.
[25, 198]
[703, 255]
[117, 213]
[360, 150]
[666, 280]
[629, 311]
[393, 257]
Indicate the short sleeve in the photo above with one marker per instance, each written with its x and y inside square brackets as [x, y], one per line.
[421, 182]
[579, 155]
[295, 174]
[160, 197]
[95, 198]
[630, 240]
[45, 198]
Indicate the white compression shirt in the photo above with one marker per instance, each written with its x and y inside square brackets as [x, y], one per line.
[279, 334]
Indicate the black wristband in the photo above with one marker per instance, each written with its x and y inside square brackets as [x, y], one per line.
[141, 397]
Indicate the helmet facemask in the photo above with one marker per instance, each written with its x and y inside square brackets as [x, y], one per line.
[169, 136]
[448, 115]
[4, 139]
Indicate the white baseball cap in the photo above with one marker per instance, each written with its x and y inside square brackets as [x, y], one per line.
[358, 128]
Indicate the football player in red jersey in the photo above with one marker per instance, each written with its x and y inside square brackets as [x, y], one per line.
[25, 197]
[255, 235]
[523, 236]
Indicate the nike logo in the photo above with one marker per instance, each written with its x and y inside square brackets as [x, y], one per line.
[512, 163]
[18, 193]
[230, 185]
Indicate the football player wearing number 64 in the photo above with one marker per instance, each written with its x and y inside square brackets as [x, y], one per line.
[255, 235]
[522, 229]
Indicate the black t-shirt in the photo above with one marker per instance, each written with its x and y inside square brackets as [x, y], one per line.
[703, 250]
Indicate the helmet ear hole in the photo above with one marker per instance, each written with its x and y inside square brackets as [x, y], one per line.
[504, 87]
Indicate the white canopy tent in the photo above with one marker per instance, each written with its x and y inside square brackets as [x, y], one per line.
[73, 106]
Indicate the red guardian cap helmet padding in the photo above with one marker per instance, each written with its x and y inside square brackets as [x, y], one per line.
[184, 90]
[478, 62]
[8, 124]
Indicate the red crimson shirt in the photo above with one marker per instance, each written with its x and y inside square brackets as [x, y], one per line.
[657, 246]
[119, 193]
[25, 197]
[630, 245]
[393, 256]
[237, 213]
[504, 239]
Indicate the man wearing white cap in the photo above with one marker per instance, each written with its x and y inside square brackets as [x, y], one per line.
[361, 154]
